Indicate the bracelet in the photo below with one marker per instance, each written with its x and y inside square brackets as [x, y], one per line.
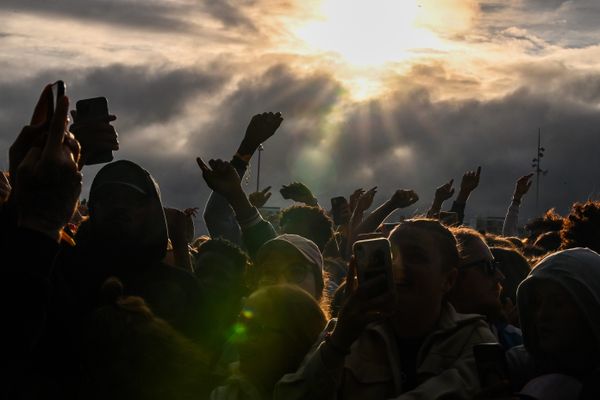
[337, 349]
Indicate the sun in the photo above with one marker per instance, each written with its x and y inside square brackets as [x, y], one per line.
[368, 33]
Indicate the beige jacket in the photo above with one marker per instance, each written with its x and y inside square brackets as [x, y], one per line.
[445, 365]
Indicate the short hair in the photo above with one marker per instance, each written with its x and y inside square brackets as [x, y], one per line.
[582, 226]
[227, 249]
[240, 260]
[446, 241]
[309, 222]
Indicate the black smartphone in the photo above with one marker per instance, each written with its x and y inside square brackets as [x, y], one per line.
[58, 90]
[338, 205]
[373, 259]
[491, 363]
[90, 111]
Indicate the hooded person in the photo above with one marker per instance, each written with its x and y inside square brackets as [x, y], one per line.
[292, 259]
[126, 236]
[558, 305]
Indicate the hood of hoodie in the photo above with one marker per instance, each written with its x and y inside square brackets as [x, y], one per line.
[152, 243]
[578, 272]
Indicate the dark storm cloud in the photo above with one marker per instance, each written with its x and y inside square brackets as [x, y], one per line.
[130, 14]
[406, 139]
[140, 96]
[409, 139]
[448, 137]
[304, 101]
[230, 13]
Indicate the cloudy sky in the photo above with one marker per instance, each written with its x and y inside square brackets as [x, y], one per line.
[393, 93]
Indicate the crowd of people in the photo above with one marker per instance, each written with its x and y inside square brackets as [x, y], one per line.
[115, 297]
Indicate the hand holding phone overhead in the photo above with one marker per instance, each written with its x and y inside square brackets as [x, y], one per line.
[91, 126]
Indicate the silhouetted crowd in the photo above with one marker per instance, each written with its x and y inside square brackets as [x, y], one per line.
[114, 297]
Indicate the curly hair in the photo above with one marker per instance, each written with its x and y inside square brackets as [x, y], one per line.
[309, 222]
[582, 226]
[549, 222]
[238, 257]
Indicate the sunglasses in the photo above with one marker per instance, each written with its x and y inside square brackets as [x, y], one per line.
[489, 267]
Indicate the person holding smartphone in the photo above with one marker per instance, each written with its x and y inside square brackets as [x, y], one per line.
[399, 341]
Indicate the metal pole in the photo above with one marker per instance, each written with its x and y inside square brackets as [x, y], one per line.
[260, 149]
[537, 171]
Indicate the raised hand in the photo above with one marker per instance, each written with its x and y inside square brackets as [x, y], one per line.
[48, 180]
[297, 191]
[365, 200]
[259, 199]
[364, 304]
[96, 137]
[31, 135]
[404, 198]
[5, 188]
[354, 197]
[522, 186]
[470, 181]
[444, 192]
[221, 177]
[261, 127]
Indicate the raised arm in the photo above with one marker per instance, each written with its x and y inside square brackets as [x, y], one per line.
[46, 185]
[442, 194]
[218, 215]
[222, 178]
[400, 199]
[511, 221]
[470, 181]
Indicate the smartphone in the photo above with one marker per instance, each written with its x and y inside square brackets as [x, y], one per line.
[491, 363]
[88, 111]
[58, 90]
[338, 205]
[373, 259]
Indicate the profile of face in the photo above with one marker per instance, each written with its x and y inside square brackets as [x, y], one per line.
[559, 325]
[282, 263]
[477, 287]
[425, 280]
